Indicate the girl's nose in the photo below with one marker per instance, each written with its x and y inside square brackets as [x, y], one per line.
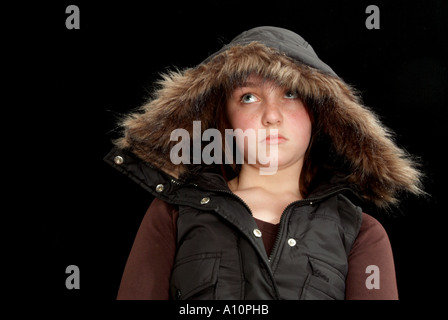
[271, 113]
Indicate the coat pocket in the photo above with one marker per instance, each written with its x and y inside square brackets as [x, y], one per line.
[195, 277]
[324, 283]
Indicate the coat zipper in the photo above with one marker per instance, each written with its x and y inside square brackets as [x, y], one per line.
[280, 232]
[285, 214]
[236, 197]
[308, 201]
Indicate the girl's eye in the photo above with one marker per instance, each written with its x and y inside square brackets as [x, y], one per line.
[248, 98]
[291, 95]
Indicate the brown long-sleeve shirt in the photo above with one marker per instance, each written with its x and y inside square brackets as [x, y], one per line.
[148, 269]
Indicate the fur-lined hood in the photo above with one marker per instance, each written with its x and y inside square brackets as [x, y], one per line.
[349, 138]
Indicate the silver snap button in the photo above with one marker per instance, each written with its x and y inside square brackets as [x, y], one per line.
[118, 159]
[257, 233]
[205, 200]
[292, 242]
[159, 188]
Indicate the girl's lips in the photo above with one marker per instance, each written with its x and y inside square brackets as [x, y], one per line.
[274, 139]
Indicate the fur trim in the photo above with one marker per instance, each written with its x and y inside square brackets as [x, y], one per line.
[358, 141]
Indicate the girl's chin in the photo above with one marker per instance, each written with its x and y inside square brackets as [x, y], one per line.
[276, 164]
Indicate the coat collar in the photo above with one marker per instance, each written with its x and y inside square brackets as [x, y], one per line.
[197, 189]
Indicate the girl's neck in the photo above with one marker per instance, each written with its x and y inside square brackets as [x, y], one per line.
[284, 181]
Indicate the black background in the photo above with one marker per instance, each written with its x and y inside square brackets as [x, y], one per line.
[73, 84]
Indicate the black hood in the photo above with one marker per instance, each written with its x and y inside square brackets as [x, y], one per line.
[282, 40]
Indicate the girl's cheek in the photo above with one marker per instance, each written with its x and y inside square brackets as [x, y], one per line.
[240, 120]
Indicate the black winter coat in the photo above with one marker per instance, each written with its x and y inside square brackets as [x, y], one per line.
[220, 253]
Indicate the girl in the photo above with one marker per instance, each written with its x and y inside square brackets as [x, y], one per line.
[224, 230]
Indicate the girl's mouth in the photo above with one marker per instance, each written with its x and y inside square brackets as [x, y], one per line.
[274, 139]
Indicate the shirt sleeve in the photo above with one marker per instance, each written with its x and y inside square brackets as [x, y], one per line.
[148, 269]
[371, 269]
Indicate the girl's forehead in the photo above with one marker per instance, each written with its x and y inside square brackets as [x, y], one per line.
[255, 80]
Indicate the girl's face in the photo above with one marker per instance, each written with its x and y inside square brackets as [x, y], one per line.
[260, 104]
